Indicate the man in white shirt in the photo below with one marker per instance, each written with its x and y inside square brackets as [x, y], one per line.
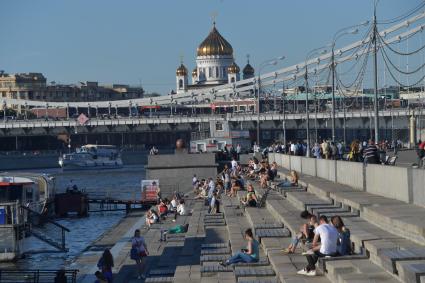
[292, 148]
[328, 235]
[234, 164]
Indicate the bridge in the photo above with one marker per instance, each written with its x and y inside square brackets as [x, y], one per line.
[266, 97]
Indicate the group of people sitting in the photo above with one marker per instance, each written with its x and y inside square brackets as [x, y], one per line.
[165, 207]
[322, 239]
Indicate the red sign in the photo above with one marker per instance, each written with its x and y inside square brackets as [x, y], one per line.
[82, 119]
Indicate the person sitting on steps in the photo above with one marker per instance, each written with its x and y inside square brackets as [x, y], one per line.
[292, 182]
[250, 199]
[306, 232]
[250, 254]
[328, 235]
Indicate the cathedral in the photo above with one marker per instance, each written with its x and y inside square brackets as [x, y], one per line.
[215, 65]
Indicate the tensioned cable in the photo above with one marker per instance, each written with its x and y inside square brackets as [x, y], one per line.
[398, 52]
[402, 17]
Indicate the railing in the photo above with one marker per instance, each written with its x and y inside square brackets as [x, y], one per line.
[37, 276]
[46, 230]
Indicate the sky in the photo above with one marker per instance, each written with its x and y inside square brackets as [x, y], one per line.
[141, 42]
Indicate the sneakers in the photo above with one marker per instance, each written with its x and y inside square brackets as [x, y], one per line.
[223, 263]
[174, 220]
[287, 251]
[307, 273]
[309, 252]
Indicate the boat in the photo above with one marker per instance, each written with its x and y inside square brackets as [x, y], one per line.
[26, 200]
[92, 156]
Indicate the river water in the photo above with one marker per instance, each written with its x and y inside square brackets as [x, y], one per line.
[121, 183]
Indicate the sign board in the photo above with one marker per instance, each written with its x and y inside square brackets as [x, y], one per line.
[150, 190]
[82, 119]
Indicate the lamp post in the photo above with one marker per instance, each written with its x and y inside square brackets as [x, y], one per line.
[271, 62]
[309, 54]
[337, 35]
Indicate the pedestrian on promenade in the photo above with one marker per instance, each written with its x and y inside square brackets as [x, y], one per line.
[105, 264]
[316, 151]
[370, 154]
[139, 251]
[327, 246]
[250, 254]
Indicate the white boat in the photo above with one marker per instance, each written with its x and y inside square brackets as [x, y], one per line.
[92, 156]
[25, 198]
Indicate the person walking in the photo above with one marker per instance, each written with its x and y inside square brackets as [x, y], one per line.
[105, 264]
[138, 252]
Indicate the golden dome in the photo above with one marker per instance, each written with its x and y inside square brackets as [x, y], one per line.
[195, 72]
[233, 69]
[214, 44]
[248, 69]
[181, 70]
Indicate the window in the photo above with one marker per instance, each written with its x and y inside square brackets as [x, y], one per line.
[209, 72]
[232, 80]
[216, 72]
[219, 126]
[224, 72]
[180, 83]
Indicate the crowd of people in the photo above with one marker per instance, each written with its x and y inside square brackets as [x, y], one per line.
[358, 151]
[320, 237]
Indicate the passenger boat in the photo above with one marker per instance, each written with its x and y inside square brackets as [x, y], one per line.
[92, 157]
[24, 199]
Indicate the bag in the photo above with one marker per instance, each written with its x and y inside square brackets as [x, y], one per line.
[143, 254]
[134, 254]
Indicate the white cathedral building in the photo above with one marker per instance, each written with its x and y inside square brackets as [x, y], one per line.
[215, 65]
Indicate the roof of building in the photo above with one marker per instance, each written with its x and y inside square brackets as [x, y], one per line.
[214, 44]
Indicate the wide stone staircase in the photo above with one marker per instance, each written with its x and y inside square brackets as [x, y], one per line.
[387, 234]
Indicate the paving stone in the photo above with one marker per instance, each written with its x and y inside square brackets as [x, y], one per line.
[267, 233]
[161, 271]
[214, 245]
[216, 268]
[159, 280]
[268, 226]
[258, 280]
[253, 271]
[262, 262]
[215, 258]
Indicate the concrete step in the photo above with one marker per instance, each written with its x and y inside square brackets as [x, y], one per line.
[253, 271]
[272, 233]
[213, 258]
[265, 279]
[390, 257]
[362, 270]
[411, 271]
[214, 245]
[158, 280]
[218, 251]
[161, 272]
[210, 269]
[302, 199]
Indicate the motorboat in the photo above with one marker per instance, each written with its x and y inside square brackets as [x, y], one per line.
[92, 157]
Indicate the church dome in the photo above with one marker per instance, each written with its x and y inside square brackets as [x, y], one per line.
[233, 69]
[214, 44]
[181, 70]
[195, 72]
[248, 70]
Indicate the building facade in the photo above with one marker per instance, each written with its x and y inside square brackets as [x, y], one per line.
[33, 86]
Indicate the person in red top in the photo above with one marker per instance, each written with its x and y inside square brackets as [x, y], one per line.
[162, 208]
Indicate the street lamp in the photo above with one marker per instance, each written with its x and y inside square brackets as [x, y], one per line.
[309, 54]
[337, 35]
[271, 62]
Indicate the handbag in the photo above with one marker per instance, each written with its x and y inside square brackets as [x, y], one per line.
[134, 254]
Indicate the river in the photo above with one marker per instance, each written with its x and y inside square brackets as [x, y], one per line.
[121, 183]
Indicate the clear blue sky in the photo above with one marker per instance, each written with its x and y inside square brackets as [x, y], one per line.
[129, 41]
